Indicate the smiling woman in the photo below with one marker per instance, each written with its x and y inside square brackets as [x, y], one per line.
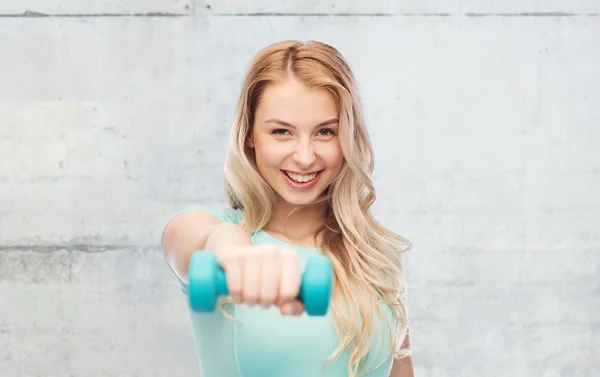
[298, 179]
[298, 157]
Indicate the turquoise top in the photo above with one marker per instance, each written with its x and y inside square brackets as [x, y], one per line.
[265, 343]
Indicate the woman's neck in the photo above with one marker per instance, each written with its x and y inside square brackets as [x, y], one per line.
[299, 227]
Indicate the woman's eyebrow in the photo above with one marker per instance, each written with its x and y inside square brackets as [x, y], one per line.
[281, 122]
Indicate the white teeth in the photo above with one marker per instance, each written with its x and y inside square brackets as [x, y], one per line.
[301, 178]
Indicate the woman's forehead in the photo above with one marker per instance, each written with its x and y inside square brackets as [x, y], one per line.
[296, 104]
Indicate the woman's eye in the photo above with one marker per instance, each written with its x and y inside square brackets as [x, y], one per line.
[279, 131]
[326, 132]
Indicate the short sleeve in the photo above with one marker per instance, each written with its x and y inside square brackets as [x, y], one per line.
[230, 215]
[227, 215]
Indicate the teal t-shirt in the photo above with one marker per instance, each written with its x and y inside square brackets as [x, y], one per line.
[264, 343]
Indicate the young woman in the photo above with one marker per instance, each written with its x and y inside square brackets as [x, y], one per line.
[298, 178]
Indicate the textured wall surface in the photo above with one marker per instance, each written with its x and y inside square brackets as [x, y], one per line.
[486, 125]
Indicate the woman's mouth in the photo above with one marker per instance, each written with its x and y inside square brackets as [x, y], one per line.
[301, 180]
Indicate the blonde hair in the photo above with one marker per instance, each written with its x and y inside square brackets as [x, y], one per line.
[365, 255]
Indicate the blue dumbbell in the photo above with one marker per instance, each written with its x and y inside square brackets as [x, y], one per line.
[207, 281]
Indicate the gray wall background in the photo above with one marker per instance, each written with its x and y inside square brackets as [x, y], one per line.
[486, 124]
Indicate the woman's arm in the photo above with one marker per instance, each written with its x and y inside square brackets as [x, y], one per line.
[194, 230]
[403, 367]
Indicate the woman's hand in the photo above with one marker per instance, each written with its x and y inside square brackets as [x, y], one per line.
[264, 275]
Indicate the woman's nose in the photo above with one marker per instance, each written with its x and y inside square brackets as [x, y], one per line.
[304, 155]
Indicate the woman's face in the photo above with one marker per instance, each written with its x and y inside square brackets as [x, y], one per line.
[295, 137]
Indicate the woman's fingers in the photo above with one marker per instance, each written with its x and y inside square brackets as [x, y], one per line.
[294, 308]
[269, 283]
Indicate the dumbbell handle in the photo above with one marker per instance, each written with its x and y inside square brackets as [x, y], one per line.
[221, 285]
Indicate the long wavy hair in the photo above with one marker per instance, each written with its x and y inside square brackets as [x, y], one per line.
[366, 257]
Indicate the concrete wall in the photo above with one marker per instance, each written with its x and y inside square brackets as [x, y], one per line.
[485, 120]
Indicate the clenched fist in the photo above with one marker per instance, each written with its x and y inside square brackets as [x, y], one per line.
[264, 275]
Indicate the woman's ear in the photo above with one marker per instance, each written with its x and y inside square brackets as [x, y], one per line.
[250, 141]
